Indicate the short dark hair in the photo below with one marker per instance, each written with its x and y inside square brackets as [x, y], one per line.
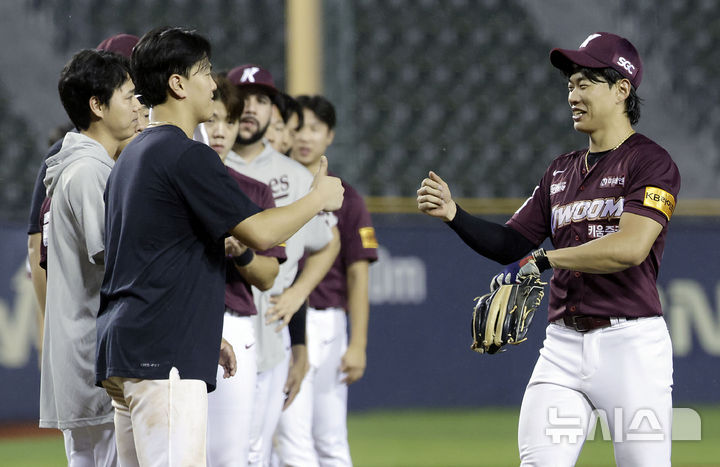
[90, 73]
[228, 94]
[611, 76]
[320, 106]
[162, 52]
[287, 107]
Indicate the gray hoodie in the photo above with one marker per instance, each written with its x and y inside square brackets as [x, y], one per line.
[75, 181]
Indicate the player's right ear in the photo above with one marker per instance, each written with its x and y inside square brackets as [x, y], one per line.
[176, 86]
[95, 107]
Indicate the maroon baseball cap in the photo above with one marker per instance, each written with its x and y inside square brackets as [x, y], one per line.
[253, 75]
[602, 50]
[121, 44]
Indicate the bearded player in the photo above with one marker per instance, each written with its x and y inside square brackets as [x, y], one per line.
[606, 210]
[276, 384]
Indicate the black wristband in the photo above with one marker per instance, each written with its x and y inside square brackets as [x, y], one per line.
[541, 259]
[244, 259]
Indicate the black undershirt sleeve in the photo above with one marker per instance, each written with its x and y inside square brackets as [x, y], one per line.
[296, 326]
[497, 242]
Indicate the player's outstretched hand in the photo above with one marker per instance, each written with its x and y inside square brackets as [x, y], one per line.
[330, 188]
[353, 364]
[299, 367]
[227, 359]
[434, 198]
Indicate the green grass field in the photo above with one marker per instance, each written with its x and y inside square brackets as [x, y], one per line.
[427, 438]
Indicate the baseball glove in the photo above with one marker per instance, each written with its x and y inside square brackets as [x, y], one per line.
[503, 316]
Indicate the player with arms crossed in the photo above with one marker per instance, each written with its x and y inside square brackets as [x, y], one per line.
[606, 210]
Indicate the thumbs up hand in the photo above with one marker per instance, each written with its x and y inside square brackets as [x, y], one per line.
[330, 188]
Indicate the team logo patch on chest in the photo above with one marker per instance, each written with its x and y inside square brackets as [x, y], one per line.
[609, 182]
[556, 188]
[586, 210]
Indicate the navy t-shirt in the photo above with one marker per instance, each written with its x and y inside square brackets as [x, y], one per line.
[169, 203]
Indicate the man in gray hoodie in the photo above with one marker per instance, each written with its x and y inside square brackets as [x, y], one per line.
[99, 97]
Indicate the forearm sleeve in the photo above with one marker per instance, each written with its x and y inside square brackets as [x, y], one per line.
[497, 242]
[296, 326]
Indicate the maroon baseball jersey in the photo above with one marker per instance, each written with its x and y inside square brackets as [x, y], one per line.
[357, 242]
[573, 206]
[238, 295]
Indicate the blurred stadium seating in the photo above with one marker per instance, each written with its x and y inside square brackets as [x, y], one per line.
[459, 86]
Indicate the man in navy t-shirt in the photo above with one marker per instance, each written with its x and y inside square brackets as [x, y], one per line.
[169, 204]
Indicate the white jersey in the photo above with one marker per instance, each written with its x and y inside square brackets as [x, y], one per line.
[75, 181]
[289, 181]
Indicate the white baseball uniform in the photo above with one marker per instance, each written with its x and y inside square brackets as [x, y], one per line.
[607, 346]
[230, 405]
[289, 182]
[313, 430]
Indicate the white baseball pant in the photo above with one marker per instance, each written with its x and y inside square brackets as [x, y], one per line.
[269, 399]
[230, 405]
[91, 446]
[623, 371]
[313, 430]
[159, 423]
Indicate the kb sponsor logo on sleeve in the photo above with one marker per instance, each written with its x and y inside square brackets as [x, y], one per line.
[659, 199]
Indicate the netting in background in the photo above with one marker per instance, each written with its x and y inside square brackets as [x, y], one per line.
[241, 31]
[466, 88]
[686, 34]
[462, 87]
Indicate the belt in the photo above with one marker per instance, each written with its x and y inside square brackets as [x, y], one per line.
[584, 323]
[327, 308]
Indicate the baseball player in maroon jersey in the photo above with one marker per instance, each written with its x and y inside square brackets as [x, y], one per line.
[606, 210]
[313, 431]
[230, 405]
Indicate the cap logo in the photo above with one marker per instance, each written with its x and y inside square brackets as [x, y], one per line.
[249, 74]
[589, 38]
[626, 64]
